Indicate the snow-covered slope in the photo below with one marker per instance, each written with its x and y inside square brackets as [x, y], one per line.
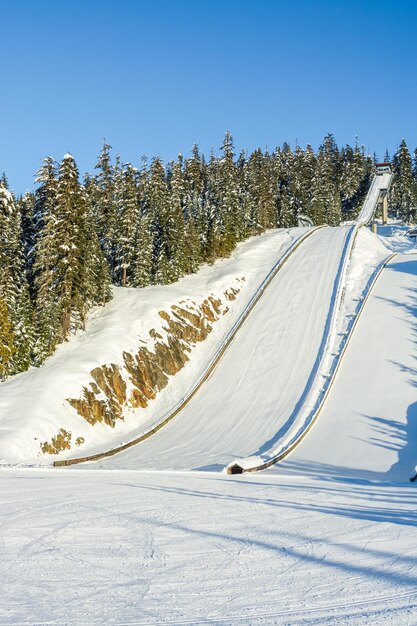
[34, 406]
[262, 381]
[368, 427]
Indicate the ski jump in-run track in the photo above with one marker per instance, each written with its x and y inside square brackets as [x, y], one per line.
[249, 408]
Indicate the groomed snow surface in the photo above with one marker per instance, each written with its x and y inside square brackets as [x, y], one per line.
[130, 548]
[327, 537]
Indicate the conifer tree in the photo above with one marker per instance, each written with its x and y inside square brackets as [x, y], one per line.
[127, 215]
[7, 347]
[14, 290]
[306, 169]
[261, 187]
[283, 161]
[142, 270]
[231, 222]
[402, 188]
[326, 202]
[143, 264]
[104, 204]
[213, 228]
[195, 182]
[79, 261]
[178, 245]
[26, 206]
[158, 203]
[354, 179]
[46, 252]
[97, 271]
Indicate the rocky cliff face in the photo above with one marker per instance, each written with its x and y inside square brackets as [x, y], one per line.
[144, 373]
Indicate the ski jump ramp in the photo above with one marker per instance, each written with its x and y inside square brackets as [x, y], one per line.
[380, 183]
[261, 381]
[253, 396]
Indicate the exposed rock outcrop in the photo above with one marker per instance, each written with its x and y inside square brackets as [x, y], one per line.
[62, 441]
[148, 370]
[144, 373]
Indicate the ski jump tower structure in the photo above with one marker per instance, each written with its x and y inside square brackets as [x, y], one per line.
[381, 170]
[377, 196]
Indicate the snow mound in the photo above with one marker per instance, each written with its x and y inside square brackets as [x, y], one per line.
[245, 464]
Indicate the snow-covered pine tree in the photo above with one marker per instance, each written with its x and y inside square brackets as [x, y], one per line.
[144, 244]
[104, 203]
[142, 270]
[67, 259]
[14, 289]
[232, 226]
[321, 192]
[158, 203]
[282, 164]
[362, 172]
[354, 179]
[402, 188]
[261, 187]
[70, 271]
[414, 217]
[306, 169]
[77, 264]
[242, 175]
[97, 279]
[415, 164]
[195, 181]
[178, 245]
[295, 184]
[326, 203]
[26, 205]
[127, 215]
[45, 254]
[213, 224]
[7, 347]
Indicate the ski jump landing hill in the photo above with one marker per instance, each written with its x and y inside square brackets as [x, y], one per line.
[327, 334]
[310, 347]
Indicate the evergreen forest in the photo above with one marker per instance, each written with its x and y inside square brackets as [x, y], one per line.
[65, 244]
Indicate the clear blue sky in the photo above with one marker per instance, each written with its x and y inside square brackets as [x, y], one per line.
[154, 77]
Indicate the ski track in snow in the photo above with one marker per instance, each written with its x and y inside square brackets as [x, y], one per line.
[136, 547]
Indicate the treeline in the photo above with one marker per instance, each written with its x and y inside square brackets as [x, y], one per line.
[62, 246]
